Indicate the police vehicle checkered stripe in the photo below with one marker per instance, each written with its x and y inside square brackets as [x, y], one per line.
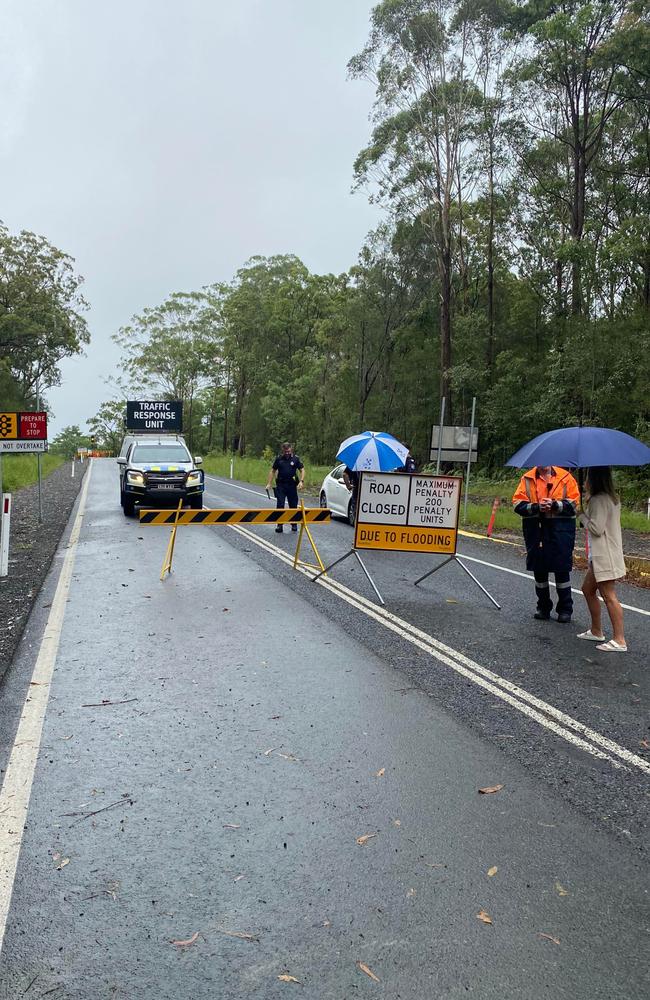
[234, 516]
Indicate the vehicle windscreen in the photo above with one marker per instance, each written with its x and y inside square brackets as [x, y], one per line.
[159, 454]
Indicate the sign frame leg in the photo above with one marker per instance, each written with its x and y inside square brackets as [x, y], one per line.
[454, 558]
[352, 552]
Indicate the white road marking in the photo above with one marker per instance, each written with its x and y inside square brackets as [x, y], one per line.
[529, 576]
[234, 486]
[534, 708]
[483, 562]
[17, 785]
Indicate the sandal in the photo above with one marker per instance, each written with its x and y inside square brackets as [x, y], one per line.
[612, 647]
[590, 635]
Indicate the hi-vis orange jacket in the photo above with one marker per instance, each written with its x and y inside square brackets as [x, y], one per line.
[561, 486]
[549, 536]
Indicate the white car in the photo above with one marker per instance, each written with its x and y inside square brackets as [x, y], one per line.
[335, 494]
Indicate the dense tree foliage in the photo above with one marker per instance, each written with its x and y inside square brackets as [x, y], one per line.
[510, 148]
[41, 318]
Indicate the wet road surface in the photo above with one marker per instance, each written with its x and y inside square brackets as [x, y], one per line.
[252, 764]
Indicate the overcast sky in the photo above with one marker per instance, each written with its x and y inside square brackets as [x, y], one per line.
[162, 143]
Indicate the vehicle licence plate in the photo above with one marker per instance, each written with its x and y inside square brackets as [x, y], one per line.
[165, 486]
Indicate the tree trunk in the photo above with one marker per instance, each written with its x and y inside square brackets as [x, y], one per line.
[445, 329]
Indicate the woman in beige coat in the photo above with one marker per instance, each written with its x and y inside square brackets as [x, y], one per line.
[602, 519]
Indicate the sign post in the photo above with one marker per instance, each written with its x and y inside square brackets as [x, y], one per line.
[407, 513]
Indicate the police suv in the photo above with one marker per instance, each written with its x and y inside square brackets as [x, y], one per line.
[158, 470]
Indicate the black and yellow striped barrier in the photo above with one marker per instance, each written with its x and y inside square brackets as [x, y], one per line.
[302, 516]
[235, 516]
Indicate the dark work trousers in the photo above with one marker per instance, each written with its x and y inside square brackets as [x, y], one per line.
[288, 492]
[543, 591]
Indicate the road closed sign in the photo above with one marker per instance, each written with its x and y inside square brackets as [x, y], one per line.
[407, 513]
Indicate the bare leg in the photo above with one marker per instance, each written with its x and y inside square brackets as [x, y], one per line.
[590, 591]
[614, 610]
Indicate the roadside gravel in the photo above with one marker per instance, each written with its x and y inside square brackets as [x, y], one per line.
[31, 550]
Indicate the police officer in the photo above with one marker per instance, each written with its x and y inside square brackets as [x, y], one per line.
[289, 474]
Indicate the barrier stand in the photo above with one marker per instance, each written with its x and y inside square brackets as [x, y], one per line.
[169, 554]
[304, 528]
[288, 515]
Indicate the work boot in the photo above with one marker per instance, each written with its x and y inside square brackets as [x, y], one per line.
[278, 530]
[542, 616]
[564, 618]
[294, 527]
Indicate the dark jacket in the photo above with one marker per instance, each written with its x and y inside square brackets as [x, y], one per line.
[549, 538]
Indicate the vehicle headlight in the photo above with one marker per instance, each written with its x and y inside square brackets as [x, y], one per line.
[135, 478]
[194, 478]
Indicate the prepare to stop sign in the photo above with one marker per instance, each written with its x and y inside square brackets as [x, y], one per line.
[408, 513]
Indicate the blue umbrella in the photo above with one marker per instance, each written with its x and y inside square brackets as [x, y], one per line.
[372, 451]
[581, 448]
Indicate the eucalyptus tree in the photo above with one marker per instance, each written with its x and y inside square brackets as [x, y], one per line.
[174, 349]
[425, 115]
[41, 308]
[568, 97]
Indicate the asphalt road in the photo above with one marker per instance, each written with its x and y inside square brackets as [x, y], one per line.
[244, 775]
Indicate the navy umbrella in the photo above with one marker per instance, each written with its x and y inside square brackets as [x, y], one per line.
[581, 448]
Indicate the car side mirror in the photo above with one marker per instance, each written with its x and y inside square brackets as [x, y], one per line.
[121, 461]
[198, 460]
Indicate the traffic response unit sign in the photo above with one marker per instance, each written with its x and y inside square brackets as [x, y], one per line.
[163, 416]
[22, 432]
[407, 513]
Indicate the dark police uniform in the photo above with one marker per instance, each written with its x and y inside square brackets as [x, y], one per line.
[286, 483]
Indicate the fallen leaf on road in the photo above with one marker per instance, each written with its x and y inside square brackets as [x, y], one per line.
[66, 737]
[492, 871]
[186, 944]
[410, 893]
[64, 862]
[286, 978]
[550, 938]
[365, 838]
[381, 772]
[561, 891]
[490, 789]
[645, 744]
[429, 865]
[368, 972]
[288, 756]
[231, 826]
[238, 877]
[485, 917]
[239, 934]
[397, 822]
[267, 753]
[450, 600]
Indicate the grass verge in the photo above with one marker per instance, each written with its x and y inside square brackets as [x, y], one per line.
[19, 471]
[256, 470]
[479, 509]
